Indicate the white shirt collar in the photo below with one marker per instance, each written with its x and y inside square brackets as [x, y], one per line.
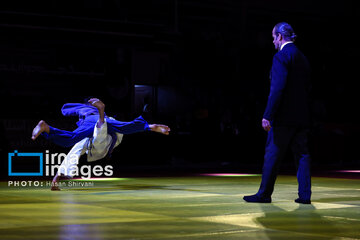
[282, 46]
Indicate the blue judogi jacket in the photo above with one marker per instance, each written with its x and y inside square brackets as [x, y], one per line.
[84, 110]
[79, 109]
[87, 120]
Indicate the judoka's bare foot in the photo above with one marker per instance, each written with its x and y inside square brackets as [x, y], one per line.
[55, 183]
[160, 128]
[42, 126]
[55, 187]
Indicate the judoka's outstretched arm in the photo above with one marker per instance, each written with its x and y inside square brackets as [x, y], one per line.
[101, 108]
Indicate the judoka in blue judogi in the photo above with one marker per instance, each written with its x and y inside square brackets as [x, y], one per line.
[96, 135]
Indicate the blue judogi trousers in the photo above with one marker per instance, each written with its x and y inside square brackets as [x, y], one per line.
[86, 129]
[278, 141]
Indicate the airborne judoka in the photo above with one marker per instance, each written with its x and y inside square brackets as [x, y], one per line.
[97, 134]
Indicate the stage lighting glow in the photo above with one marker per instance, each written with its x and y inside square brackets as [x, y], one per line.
[230, 175]
[349, 171]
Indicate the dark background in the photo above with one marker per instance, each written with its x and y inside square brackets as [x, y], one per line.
[201, 67]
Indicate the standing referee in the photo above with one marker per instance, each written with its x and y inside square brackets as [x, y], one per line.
[287, 117]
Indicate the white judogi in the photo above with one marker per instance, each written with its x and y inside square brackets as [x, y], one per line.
[96, 148]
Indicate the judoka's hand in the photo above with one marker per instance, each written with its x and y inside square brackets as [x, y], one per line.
[97, 103]
[101, 108]
[266, 124]
[160, 128]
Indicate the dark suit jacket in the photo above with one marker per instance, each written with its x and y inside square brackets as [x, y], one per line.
[288, 102]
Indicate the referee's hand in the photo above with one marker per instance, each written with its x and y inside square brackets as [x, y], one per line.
[266, 124]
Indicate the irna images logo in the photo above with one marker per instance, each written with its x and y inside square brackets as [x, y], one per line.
[38, 164]
[16, 159]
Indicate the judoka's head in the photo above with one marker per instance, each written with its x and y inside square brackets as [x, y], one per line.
[281, 33]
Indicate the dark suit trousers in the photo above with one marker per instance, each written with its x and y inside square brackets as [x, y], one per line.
[278, 141]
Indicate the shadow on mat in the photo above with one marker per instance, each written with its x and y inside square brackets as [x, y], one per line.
[304, 221]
